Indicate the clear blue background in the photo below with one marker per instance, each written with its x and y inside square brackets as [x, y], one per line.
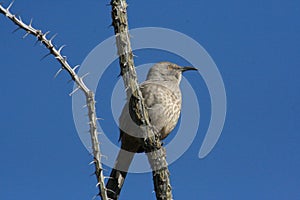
[256, 47]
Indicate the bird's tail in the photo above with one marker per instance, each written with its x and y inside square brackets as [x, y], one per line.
[118, 174]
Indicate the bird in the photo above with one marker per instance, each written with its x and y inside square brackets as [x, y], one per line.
[162, 99]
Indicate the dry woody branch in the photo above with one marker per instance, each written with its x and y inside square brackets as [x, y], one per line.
[152, 144]
[90, 97]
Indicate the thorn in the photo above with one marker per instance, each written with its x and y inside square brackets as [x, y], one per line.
[98, 184]
[10, 5]
[84, 106]
[26, 35]
[85, 75]
[65, 58]
[108, 177]
[37, 41]
[109, 190]
[74, 91]
[45, 56]
[75, 67]
[60, 70]
[16, 29]
[92, 162]
[99, 119]
[104, 156]
[94, 197]
[45, 34]
[30, 23]
[52, 38]
[59, 50]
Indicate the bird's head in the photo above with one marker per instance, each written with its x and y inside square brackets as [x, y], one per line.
[166, 71]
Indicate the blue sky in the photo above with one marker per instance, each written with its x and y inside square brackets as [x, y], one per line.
[255, 45]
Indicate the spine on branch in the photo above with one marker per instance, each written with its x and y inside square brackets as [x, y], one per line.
[152, 145]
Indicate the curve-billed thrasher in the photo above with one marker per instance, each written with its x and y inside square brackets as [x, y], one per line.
[162, 98]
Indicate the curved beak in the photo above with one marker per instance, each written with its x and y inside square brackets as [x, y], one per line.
[184, 69]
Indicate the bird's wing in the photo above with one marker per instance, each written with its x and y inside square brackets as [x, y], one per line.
[162, 105]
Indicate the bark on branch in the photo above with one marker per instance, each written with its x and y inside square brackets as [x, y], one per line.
[152, 145]
[90, 97]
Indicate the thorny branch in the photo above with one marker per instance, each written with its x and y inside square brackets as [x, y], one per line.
[152, 145]
[90, 97]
